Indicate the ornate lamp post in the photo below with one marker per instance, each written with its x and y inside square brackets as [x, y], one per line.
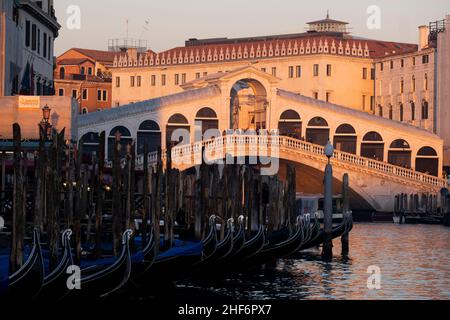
[45, 122]
[327, 252]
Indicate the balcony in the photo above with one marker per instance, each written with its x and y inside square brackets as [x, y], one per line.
[84, 77]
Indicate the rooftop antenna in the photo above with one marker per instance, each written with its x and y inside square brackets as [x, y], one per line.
[328, 14]
[127, 22]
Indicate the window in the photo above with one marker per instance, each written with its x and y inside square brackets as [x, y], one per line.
[132, 80]
[316, 70]
[425, 59]
[414, 61]
[328, 70]
[84, 111]
[163, 80]
[274, 71]
[183, 78]
[117, 82]
[61, 92]
[90, 71]
[27, 33]
[263, 69]
[298, 71]
[391, 112]
[372, 74]
[380, 111]
[39, 41]
[33, 37]
[45, 45]
[413, 111]
[99, 95]
[426, 82]
[364, 102]
[102, 95]
[413, 83]
[402, 86]
[74, 94]
[205, 74]
[197, 75]
[316, 95]
[153, 80]
[49, 48]
[138, 80]
[328, 97]
[372, 103]
[381, 66]
[83, 70]
[402, 63]
[392, 64]
[177, 79]
[365, 73]
[291, 72]
[105, 95]
[85, 94]
[425, 110]
[401, 112]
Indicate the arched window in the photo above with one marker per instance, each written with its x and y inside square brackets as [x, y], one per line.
[425, 110]
[413, 111]
[84, 111]
[125, 139]
[290, 124]
[400, 153]
[208, 119]
[62, 73]
[427, 161]
[345, 139]
[318, 131]
[90, 145]
[372, 146]
[149, 134]
[176, 122]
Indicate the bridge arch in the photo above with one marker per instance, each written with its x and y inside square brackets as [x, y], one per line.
[290, 124]
[248, 105]
[175, 122]
[208, 119]
[148, 134]
[427, 161]
[372, 146]
[318, 131]
[90, 143]
[125, 139]
[399, 153]
[345, 139]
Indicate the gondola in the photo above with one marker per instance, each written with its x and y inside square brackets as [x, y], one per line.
[224, 248]
[314, 234]
[250, 248]
[99, 282]
[238, 242]
[144, 259]
[26, 283]
[55, 284]
[285, 248]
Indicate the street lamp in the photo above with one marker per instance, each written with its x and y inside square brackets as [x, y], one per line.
[45, 122]
[329, 151]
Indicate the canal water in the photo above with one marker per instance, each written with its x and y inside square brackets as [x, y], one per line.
[413, 260]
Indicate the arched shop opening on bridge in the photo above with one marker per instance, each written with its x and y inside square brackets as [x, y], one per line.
[148, 135]
[345, 139]
[427, 161]
[372, 146]
[400, 153]
[119, 133]
[290, 124]
[90, 144]
[207, 119]
[177, 128]
[318, 131]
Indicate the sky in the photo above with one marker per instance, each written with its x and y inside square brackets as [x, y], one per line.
[171, 22]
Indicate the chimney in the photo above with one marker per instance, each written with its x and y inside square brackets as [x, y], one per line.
[424, 32]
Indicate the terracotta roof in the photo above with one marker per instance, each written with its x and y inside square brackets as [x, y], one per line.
[98, 55]
[328, 20]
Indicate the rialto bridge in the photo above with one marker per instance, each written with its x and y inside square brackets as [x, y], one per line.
[382, 157]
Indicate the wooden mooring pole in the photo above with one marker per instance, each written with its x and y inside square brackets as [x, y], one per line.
[346, 210]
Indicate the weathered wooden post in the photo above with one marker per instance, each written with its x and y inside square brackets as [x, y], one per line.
[77, 203]
[346, 210]
[327, 251]
[117, 195]
[146, 190]
[19, 196]
[291, 195]
[39, 181]
[100, 196]
[156, 198]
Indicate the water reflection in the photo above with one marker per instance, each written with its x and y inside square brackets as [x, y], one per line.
[414, 262]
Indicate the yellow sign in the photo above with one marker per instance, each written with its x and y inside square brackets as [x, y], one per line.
[29, 102]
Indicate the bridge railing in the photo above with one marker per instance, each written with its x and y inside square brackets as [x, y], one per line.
[262, 145]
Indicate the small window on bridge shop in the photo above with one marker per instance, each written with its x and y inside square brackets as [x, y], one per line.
[400, 154]
[427, 161]
[372, 146]
[124, 135]
[208, 119]
[177, 121]
[290, 124]
[90, 143]
[345, 139]
[148, 135]
[318, 131]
